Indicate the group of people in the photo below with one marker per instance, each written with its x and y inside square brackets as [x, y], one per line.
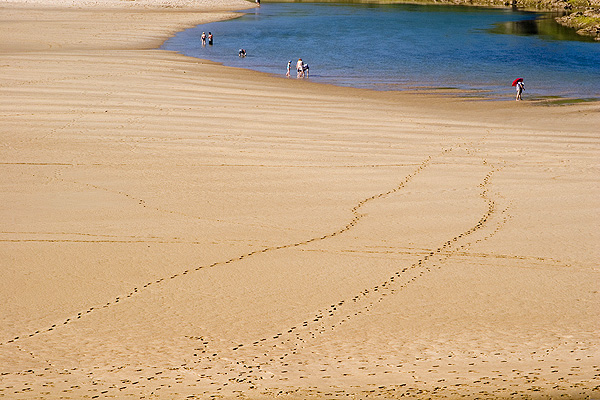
[301, 69]
[204, 37]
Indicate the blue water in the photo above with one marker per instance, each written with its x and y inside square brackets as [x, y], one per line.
[396, 47]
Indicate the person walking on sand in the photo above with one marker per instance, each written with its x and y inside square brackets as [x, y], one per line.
[203, 38]
[520, 88]
[299, 68]
[289, 68]
[210, 39]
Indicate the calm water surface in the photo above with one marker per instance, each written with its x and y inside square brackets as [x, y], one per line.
[395, 47]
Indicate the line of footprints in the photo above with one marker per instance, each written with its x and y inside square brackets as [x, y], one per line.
[356, 218]
[292, 340]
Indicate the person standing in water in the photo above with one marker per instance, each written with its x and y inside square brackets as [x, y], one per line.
[299, 70]
[289, 68]
[203, 39]
[210, 39]
[520, 88]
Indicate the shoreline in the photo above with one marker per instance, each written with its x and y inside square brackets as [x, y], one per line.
[175, 228]
[548, 95]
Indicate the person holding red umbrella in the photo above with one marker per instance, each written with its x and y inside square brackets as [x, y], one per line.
[520, 87]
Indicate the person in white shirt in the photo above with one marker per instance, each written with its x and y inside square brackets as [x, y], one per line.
[520, 88]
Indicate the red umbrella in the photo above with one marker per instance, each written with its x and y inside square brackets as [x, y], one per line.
[517, 80]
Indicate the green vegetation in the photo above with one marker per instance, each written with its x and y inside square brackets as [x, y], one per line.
[586, 22]
[554, 101]
[579, 4]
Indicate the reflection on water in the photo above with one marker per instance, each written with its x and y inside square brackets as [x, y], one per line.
[540, 25]
[527, 27]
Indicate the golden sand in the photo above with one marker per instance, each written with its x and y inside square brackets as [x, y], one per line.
[173, 228]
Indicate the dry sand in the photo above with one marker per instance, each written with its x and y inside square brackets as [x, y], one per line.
[174, 229]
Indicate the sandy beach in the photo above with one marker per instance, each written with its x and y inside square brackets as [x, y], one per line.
[175, 229]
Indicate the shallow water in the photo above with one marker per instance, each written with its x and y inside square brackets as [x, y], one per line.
[395, 47]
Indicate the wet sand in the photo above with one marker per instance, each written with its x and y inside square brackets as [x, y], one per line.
[173, 228]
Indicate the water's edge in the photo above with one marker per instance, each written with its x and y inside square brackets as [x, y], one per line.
[442, 89]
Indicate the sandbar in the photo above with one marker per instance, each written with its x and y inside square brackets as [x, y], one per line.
[173, 228]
